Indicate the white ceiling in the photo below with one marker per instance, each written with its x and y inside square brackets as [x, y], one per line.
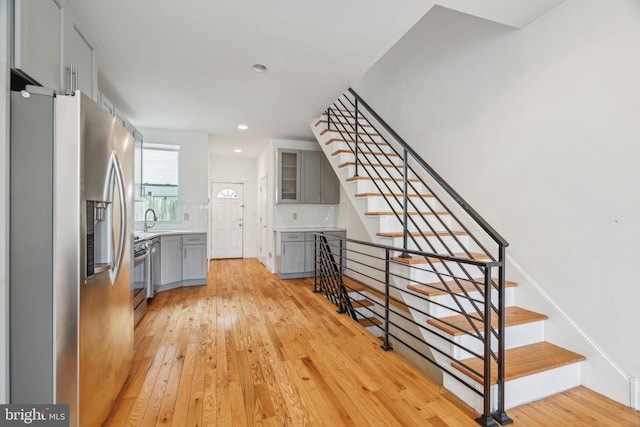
[187, 64]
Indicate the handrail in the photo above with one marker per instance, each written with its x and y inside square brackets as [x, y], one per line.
[463, 203]
[396, 324]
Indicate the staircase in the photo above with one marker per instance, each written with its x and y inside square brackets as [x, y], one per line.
[444, 293]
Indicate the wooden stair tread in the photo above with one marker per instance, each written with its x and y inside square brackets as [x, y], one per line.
[375, 165]
[332, 140]
[395, 194]
[458, 325]
[400, 213]
[364, 287]
[421, 260]
[523, 361]
[357, 303]
[438, 288]
[377, 178]
[353, 285]
[419, 234]
[376, 153]
[342, 121]
[370, 321]
[349, 132]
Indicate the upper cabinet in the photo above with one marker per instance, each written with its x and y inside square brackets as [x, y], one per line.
[306, 177]
[50, 49]
[288, 190]
[37, 43]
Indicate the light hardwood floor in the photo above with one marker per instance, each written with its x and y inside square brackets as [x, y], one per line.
[250, 349]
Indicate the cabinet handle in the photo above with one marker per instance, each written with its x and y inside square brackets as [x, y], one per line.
[184, 253]
[72, 80]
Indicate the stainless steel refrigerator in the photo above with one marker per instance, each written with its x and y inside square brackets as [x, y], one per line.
[71, 314]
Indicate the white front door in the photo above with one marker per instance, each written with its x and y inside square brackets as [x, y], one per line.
[227, 201]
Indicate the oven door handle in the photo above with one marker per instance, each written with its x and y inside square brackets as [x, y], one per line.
[141, 257]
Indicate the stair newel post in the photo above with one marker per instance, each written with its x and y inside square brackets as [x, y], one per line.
[329, 118]
[387, 258]
[357, 138]
[501, 415]
[485, 419]
[405, 206]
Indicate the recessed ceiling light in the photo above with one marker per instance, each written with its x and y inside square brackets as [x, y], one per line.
[243, 127]
[259, 68]
[237, 150]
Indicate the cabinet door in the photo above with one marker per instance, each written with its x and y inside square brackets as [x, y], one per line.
[292, 260]
[171, 256]
[329, 183]
[310, 166]
[194, 262]
[80, 53]
[38, 41]
[288, 184]
[309, 256]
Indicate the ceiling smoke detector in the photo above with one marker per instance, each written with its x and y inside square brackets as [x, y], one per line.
[259, 68]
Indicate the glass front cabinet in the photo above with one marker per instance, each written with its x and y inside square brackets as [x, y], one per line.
[288, 188]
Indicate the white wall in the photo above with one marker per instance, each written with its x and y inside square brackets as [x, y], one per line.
[4, 205]
[244, 171]
[194, 149]
[538, 129]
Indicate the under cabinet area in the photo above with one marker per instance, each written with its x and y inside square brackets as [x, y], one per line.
[296, 250]
[305, 176]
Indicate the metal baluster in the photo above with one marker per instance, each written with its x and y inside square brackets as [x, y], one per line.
[501, 415]
[485, 419]
[405, 207]
[387, 258]
[357, 137]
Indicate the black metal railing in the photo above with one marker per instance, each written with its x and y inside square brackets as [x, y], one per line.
[364, 271]
[435, 220]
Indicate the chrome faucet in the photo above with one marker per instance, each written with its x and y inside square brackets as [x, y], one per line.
[155, 218]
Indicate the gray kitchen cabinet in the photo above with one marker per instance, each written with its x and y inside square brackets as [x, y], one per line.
[297, 258]
[306, 177]
[329, 183]
[170, 260]
[80, 71]
[37, 41]
[288, 178]
[194, 259]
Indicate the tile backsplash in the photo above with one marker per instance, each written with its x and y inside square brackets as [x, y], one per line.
[306, 215]
[197, 214]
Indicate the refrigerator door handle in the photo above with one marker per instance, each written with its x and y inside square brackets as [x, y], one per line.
[116, 173]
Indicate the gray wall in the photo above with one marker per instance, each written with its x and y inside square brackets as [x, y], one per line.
[538, 129]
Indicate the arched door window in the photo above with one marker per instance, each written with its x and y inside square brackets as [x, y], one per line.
[227, 193]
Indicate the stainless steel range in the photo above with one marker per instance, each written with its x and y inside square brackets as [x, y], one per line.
[141, 284]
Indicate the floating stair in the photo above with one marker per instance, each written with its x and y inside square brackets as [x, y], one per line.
[534, 368]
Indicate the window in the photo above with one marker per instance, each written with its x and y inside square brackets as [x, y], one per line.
[227, 193]
[160, 182]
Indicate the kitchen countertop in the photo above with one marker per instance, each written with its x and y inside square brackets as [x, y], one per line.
[148, 235]
[305, 229]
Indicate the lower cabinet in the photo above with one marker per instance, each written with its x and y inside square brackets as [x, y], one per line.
[170, 259]
[183, 261]
[297, 253]
[194, 258]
